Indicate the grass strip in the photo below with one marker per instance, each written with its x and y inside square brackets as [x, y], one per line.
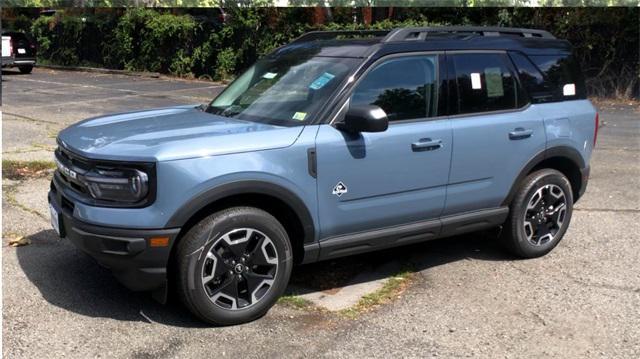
[390, 290]
[17, 170]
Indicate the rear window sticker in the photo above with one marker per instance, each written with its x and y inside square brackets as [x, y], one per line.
[476, 84]
[493, 80]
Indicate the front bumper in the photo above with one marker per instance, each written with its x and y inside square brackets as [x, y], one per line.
[126, 252]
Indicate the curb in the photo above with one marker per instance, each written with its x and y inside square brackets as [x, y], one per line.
[101, 70]
[155, 75]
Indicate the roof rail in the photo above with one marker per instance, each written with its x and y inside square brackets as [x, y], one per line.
[329, 35]
[420, 33]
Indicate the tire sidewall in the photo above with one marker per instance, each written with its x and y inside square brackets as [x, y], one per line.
[532, 184]
[206, 235]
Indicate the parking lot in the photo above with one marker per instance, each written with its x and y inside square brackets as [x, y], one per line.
[457, 297]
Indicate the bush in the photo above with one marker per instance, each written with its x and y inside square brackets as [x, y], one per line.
[142, 39]
[71, 40]
[147, 41]
[58, 38]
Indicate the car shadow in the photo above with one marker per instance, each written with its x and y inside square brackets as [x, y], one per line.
[332, 275]
[71, 280]
[11, 72]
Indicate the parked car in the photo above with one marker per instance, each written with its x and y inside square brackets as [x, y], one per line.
[7, 50]
[336, 144]
[20, 53]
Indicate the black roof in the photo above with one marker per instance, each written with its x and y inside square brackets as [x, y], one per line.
[360, 44]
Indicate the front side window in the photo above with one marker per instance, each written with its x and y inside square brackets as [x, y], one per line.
[485, 83]
[405, 88]
[289, 90]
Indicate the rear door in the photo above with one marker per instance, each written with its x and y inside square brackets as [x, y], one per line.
[376, 180]
[495, 130]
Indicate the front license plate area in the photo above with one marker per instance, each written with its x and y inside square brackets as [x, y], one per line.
[55, 219]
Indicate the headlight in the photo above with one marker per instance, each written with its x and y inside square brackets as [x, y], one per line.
[118, 185]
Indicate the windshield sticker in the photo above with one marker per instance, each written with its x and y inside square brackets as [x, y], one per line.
[269, 75]
[321, 81]
[299, 116]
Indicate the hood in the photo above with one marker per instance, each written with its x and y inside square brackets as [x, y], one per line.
[171, 133]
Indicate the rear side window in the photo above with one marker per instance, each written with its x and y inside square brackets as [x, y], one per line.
[562, 76]
[532, 79]
[405, 88]
[485, 83]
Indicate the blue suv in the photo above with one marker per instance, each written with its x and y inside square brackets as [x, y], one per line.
[335, 144]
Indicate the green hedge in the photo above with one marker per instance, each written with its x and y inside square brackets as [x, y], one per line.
[159, 40]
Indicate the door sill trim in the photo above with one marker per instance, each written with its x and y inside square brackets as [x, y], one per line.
[387, 237]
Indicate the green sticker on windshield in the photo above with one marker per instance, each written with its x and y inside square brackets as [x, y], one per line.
[321, 81]
[269, 75]
[299, 116]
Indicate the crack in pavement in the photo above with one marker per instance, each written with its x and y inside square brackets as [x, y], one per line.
[27, 118]
[583, 282]
[10, 196]
[603, 285]
[614, 210]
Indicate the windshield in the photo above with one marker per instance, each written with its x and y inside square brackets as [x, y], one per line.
[288, 90]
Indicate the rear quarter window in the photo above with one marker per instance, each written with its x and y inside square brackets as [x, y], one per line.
[560, 71]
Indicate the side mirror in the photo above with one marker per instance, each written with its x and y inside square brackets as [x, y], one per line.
[365, 118]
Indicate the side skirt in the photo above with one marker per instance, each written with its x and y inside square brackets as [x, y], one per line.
[388, 237]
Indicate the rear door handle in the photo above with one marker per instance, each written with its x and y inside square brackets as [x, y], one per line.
[520, 133]
[426, 144]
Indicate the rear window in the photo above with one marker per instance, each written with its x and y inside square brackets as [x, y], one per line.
[562, 77]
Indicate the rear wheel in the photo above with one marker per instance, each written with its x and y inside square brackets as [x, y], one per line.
[234, 265]
[26, 69]
[539, 214]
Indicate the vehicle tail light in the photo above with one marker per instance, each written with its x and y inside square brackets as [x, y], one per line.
[595, 132]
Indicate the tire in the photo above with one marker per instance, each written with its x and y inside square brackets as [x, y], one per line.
[25, 69]
[539, 214]
[233, 265]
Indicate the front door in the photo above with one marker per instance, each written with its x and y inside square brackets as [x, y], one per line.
[375, 180]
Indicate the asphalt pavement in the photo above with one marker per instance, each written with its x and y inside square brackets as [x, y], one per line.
[466, 298]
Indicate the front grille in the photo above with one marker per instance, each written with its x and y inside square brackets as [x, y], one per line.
[73, 159]
[76, 164]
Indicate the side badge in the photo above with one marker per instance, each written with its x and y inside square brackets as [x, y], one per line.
[339, 189]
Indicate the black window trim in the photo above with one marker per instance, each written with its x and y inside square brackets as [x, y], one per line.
[440, 64]
[451, 77]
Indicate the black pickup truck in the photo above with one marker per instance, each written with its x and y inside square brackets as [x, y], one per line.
[18, 50]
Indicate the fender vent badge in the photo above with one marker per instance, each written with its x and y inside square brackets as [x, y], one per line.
[339, 189]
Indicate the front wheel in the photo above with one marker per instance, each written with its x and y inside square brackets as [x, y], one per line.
[234, 265]
[539, 214]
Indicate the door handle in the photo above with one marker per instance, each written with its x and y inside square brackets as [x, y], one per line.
[520, 133]
[426, 144]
